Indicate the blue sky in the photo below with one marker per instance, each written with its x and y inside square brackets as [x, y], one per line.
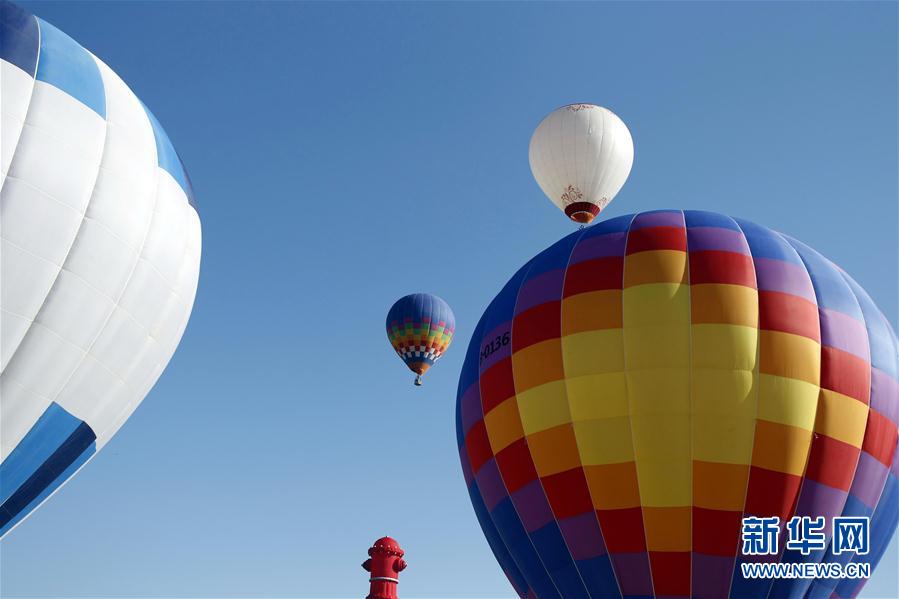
[344, 155]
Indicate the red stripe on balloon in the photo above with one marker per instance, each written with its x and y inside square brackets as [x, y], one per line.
[832, 462]
[594, 275]
[670, 573]
[657, 238]
[567, 493]
[789, 314]
[880, 438]
[536, 324]
[713, 266]
[497, 384]
[623, 530]
[845, 373]
[516, 466]
[478, 446]
[771, 493]
[715, 532]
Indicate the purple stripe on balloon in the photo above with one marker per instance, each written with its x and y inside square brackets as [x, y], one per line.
[711, 575]
[715, 238]
[497, 351]
[632, 572]
[582, 535]
[491, 484]
[466, 466]
[870, 476]
[844, 332]
[817, 499]
[540, 289]
[885, 394]
[532, 507]
[471, 409]
[777, 275]
[601, 246]
[662, 218]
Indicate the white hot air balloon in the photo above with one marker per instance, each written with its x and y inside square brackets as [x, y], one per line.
[581, 155]
[99, 257]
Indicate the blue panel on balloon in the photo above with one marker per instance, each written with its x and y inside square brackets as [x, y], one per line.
[18, 37]
[55, 447]
[68, 66]
[168, 158]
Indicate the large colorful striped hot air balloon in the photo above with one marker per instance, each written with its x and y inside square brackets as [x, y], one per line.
[420, 328]
[639, 387]
[100, 257]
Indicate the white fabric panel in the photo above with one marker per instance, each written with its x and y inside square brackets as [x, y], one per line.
[107, 250]
[156, 304]
[20, 411]
[43, 363]
[44, 196]
[15, 91]
[61, 146]
[126, 189]
[149, 368]
[583, 146]
[93, 389]
[75, 310]
[47, 189]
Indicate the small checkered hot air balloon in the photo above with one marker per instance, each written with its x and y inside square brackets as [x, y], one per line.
[420, 328]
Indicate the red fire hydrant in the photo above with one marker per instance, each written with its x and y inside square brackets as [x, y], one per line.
[385, 564]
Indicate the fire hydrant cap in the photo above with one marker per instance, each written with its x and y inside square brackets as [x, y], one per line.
[387, 545]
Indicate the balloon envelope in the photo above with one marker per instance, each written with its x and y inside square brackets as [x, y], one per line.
[639, 387]
[100, 257]
[420, 328]
[581, 155]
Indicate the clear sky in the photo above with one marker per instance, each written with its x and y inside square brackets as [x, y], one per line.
[344, 155]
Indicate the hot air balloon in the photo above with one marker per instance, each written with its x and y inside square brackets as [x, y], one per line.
[581, 155]
[420, 328]
[100, 258]
[661, 376]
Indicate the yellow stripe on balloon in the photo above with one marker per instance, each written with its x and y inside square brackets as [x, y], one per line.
[658, 266]
[792, 402]
[729, 489]
[724, 304]
[593, 352]
[656, 319]
[605, 441]
[537, 364]
[596, 386]
[590, 311]
[597, 396]
[668, 528]
[723, 393]
[503, 424]
[780, 447]
[543, 407]
[554, 450]
[613, 486]
[841, 417]
[790, 356]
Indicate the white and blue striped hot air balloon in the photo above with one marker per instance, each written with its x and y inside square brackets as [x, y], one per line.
[100, 257]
